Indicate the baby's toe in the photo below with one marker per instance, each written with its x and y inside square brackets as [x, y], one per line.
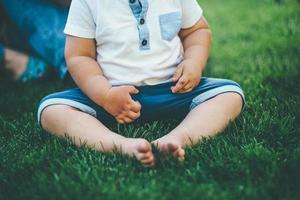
[179, 154]
[148, 161]
[145, 156]
[144, 147]
[144, 153]
[176, 151]
[173, 147]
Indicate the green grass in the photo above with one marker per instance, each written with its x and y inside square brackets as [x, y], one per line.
[256, 43]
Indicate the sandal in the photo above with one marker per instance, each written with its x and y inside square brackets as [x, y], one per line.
[36, 69]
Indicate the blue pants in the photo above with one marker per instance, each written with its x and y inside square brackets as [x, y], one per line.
[158, 102]
[39, 27]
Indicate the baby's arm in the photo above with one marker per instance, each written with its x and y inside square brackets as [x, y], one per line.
[80, 55]
[196, 43]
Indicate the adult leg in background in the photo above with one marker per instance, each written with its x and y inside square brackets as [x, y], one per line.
[42, 24]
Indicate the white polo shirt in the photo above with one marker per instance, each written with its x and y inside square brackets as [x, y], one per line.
[137, 40]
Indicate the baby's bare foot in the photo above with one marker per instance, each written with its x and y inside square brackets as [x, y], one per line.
[170, 146]
[140, 149]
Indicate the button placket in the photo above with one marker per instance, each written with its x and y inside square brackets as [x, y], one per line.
[139, 9]
[135, 8]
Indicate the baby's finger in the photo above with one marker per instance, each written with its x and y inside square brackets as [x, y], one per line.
[120, 121]
[180, 84]
[135, 106]
[123, 118]
[185, 91]
[177, 74]
[188, 86]
[133, 115]
[127, 120]
[131, 89]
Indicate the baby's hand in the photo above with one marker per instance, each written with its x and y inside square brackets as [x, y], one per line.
[120, 104]
[187, 76]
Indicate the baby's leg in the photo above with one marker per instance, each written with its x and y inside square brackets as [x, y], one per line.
[205, 120]
[85, 129]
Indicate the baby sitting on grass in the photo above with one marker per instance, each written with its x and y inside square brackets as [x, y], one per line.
[139, 59]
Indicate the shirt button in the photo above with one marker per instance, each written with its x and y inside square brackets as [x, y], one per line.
[132, 1]
[144, 42]
[142, 21]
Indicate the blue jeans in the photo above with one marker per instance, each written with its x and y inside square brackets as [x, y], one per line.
[39, 27]
[158, 102]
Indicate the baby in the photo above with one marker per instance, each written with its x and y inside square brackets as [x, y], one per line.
[139, 59]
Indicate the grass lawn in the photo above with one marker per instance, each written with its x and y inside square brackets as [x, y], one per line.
[256, 43]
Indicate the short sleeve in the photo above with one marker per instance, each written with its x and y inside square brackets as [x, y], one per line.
[80, 21]
[191, 13]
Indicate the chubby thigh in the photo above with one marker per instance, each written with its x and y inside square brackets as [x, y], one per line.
[158, 102]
